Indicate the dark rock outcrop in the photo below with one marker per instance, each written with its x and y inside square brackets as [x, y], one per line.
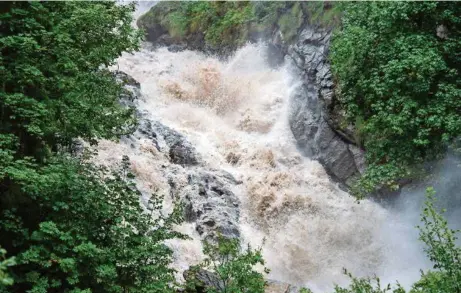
[200, 281]
[169, 141]
[209, 202]
[312, 109]
[131, 88]
[206, 193]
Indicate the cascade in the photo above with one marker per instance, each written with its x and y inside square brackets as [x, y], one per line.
[230, 121]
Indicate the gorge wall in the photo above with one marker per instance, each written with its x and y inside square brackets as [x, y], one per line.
[249, 143]
[315, 119]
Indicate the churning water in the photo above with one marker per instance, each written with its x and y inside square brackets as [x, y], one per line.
[236, 113]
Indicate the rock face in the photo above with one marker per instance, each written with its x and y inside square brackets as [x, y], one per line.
[205, 193]
[131, 88]
[316, 120]
[312, 117]
[202, 281]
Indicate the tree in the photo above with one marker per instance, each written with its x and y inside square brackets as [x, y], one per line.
[441, 249]
[72, 226]
[228, 269]
[397, 69]
[95, 234]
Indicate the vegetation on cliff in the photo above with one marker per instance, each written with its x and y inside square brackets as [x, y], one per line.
[397, 70]
[226, 25]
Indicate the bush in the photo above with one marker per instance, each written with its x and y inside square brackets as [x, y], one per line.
[397, 71]
[441, 249]
[232, 268]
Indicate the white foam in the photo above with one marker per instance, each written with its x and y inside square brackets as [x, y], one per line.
[239, 109]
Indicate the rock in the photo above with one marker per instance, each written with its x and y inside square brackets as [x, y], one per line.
[131, 88]
[126, 79]
[311, 110]
[209, 202]
[206, 193]
[183, 153]
[170, 141]
[201, 280]
[232, 158]
[280, 287]
[177, 47]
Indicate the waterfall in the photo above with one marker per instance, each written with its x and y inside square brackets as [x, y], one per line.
[235, 114]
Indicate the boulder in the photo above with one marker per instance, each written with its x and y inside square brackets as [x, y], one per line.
[171, 142]
[200, 280]
[209, 201]
[280, 287]
[131, 88]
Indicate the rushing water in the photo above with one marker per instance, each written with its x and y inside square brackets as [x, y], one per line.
[236, 114]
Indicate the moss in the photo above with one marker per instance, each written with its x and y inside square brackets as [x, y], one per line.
[231, 24]
[290, 22]
[322, 13]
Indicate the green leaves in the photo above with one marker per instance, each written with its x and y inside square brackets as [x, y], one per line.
[54, 83]
[5, 263]
[73, 227]
[401, 79]
[233, 266]
[103, 240]
[441, 249]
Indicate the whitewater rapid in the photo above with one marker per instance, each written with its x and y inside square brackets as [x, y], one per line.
[235, 113]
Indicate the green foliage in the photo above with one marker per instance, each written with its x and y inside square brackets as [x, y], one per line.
[441, 249]
[72, 226]
[367, 285]
[5, 263]
[397, 68]
[93, 234]
[54, 59]
[233, 267]
[222, 23]
[231, 24]
[291, 21]
[325, 14]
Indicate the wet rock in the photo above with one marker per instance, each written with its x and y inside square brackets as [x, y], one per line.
[183, 153]
[171, 142]
[131, 88]
[232, 158]
[201, 280]
[280, 287]
[209, 202]
[177, 47]
[206, 193]
[126, 79]
[312, 110]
